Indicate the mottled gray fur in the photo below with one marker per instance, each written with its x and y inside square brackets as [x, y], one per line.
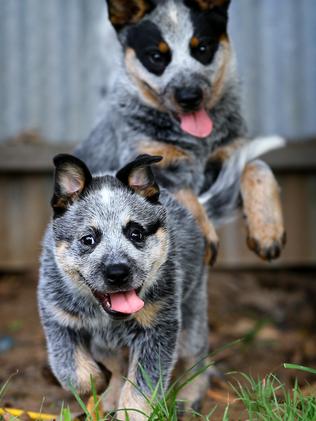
[170, 272]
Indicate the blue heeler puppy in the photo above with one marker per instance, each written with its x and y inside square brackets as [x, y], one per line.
[176, 94]
[123, 266]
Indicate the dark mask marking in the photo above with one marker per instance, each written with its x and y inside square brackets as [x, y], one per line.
[209, 27]
[146, 40]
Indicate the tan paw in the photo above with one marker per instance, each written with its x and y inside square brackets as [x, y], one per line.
[263, 211]
[268, 248]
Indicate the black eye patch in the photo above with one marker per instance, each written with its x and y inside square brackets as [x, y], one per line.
[209, 28]
[150, 48]
[137, 234]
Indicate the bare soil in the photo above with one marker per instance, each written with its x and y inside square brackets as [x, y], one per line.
[274, 309]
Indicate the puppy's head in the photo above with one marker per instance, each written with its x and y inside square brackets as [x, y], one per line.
[110, 233]
[177, 54]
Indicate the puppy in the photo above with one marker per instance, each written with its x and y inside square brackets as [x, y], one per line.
[177, 95]
[122, 266]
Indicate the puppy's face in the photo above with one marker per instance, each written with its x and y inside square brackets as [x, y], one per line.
[177, 53]
[110, 233]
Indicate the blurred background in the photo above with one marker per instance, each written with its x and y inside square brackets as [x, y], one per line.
[56, 62]
[57, 58]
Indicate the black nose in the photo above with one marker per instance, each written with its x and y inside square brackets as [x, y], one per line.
[117, 274]
[189, 98]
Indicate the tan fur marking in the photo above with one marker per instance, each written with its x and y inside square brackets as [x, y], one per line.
[85, 367]
[170, 153]
[263, 210]
[209, 4]
[115, 363]
[190, 201]
[163, 47]
[195, 42]
[131, 398]
[160, 252]
[219, 82]
[223, 153]
[148, 315]
[147, 92]
[121, 13]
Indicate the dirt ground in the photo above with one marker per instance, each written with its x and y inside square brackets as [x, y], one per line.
[274, 309]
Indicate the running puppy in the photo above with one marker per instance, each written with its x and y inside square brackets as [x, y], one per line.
[122, 266]
[177, 95]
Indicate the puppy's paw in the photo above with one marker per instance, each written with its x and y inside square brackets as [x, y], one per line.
[267, 247]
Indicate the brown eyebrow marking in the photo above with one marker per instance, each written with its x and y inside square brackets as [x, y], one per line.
[163, 47]
[195, 42]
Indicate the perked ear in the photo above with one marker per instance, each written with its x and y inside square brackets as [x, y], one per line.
[72, 177]
[205, 5]
[138, 176]
[126, 12]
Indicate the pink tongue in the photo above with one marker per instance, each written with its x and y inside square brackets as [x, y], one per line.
[126, 302]
[198, 124]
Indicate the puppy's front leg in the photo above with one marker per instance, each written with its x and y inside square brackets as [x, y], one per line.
[190, 201]
[262, 210]
[154, 353]
[71, 362]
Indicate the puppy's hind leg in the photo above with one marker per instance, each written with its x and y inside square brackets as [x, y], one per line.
[263, 211]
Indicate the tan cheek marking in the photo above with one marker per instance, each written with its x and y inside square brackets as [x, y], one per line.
[148, 93]
[148, 315]
[163, 246]
[170, 153]
[219, 82]
[85, 367]
[65, 262]
[163, 47]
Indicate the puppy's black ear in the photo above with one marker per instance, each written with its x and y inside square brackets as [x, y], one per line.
[72, 177]
[138, 176]
[126, 12]
[205, 5]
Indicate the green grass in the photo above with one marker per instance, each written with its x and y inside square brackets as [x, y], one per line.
[269, 399]
[265, 399]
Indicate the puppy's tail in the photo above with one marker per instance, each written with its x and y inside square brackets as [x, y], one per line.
[222, 199]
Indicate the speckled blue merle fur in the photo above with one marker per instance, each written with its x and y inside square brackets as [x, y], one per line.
[87, 234]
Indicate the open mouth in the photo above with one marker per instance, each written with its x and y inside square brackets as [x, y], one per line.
[196, 123]
[121, 304]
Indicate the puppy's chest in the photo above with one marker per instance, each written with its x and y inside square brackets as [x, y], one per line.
[180, 168]
[110, 333]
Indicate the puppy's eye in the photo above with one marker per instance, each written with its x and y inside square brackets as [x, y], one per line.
[156, 57]
[88, 241]
[136, 235]
[203, 48]
[204, 52]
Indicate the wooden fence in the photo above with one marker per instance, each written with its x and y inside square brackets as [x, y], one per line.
[26, 189]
